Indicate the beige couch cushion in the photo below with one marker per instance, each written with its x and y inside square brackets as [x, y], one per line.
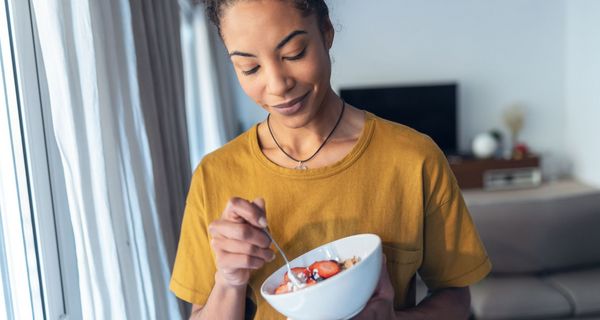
[582, 288]
[542, 235]
[517, 298]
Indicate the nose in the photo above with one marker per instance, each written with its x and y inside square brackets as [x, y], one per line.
[279, 82]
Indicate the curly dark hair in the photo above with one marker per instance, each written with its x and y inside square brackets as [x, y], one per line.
[214, 10]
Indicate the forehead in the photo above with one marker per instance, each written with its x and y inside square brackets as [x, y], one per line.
[258, 24]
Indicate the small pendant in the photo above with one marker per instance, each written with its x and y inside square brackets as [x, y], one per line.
[301, 166]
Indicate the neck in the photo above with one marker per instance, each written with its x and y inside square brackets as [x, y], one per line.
[302, 141]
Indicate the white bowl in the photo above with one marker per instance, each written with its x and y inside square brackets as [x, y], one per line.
[339, 297]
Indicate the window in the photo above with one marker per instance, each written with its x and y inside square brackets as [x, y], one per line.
[19, 261]
[32, 264]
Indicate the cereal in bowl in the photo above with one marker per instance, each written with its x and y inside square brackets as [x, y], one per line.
[316, 272]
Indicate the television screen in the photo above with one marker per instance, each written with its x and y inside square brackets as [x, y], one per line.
[430, 109]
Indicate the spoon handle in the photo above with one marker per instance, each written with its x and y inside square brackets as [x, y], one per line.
[278, 247]
[291, 275]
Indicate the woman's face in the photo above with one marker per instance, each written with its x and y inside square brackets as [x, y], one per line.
[280, 57]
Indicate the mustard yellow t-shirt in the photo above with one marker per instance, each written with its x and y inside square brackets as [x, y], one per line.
[395, 183]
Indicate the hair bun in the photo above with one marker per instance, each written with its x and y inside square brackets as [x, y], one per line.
[214, 9]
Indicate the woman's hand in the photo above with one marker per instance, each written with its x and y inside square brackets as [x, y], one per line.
[381, 304]
[447, 303]
[239, 242]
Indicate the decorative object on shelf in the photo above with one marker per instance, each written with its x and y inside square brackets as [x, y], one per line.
[520, 151]
[497, 134]
[514, 118]
[484, 145]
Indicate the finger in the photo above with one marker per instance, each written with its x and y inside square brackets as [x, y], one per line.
[386, 289]
[372, 310]
[240, 247]
[227, 260]
[381, 290]
[240, 210]
[260, 202]
[239, 231]
[381, 274]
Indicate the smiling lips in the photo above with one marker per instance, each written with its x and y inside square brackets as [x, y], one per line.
[292, 106]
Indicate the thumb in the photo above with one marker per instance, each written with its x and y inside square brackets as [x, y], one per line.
[260, 202]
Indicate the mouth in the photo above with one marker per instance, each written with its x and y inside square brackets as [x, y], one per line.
[291, 103]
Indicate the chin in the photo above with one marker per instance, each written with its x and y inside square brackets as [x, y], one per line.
[300, 119]
[294, 121]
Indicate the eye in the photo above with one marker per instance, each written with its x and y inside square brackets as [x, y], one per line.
[298, 56]
[251, 71]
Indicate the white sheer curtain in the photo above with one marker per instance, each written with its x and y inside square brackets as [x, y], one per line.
[109, 158]
[208, 82]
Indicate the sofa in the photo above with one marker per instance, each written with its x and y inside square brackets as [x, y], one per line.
[545, 251]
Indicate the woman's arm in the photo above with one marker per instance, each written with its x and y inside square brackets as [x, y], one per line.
[240, 245]
[448, 303]
[224, 302]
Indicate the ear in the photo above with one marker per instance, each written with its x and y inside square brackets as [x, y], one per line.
[328, 33]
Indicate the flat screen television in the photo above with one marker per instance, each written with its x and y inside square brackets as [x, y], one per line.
[430, 109]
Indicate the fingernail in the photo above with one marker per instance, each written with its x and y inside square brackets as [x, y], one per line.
[272, 257]
[260, 202]
[262, 222]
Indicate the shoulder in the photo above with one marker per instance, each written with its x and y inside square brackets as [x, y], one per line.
[233, 155]
[418, 157]
[400, 139]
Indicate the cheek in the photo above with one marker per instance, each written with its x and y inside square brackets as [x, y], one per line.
[253, 88]
[314, 69]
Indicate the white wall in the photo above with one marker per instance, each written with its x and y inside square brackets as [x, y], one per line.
[500, 52]
[583, 88]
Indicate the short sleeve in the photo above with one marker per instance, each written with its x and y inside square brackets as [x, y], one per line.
[453, 254]
[194, 269]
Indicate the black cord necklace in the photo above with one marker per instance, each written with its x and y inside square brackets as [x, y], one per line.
[301, 165]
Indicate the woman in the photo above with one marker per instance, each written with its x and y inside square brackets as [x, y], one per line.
[317, 169]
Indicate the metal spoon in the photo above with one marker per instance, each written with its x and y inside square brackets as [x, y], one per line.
[295, 281]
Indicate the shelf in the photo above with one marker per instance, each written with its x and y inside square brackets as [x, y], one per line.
[470, 172]
[547, 191]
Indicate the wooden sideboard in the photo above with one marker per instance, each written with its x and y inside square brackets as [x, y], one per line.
[470, 172]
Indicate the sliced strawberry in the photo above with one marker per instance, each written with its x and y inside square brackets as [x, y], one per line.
[301, 273]
[324, 269]
[311, 282]
[282, 289]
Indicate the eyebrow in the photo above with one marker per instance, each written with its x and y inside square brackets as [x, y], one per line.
[280, 45]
